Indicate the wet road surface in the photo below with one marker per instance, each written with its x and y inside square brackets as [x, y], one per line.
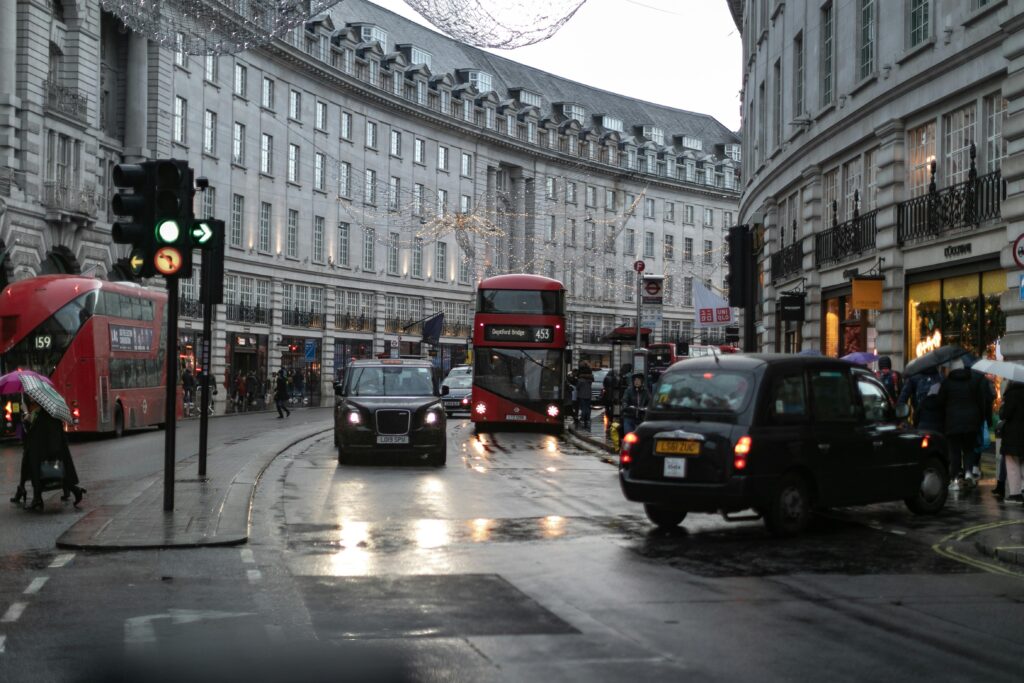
[520, 560]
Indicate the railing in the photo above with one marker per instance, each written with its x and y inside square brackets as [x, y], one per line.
[595, 336]
[354, 323]
[252, 315]
[307, 319]
[65, 100]
[846, 240]
[456, 329]
[788, 261]
[964, 205]
[56, 195]
[403, 327]
[190, 308]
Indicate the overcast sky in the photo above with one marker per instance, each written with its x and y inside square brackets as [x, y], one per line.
[680, 53]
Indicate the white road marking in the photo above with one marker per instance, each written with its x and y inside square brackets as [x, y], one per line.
[247, 556]
[36, 585]
[61, 560]
[897, 532]
[139, 631]
[3, 644]
[13, 612]
[254, 575]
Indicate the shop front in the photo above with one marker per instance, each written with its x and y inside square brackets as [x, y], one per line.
[247, 353]
[346, 350]
[301, 360]
[790, 310]
[845, 326]
[955, 305]
[190, 350]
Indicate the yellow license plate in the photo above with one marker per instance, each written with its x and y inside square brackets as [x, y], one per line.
[677, 446]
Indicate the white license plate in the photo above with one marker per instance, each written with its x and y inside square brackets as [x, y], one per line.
[675, 467]
[515, 417]
[393, 439]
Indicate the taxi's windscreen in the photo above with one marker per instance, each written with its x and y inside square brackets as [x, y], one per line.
[710, 390]
[390, 381]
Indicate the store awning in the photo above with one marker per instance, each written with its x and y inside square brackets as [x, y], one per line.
[625, 334]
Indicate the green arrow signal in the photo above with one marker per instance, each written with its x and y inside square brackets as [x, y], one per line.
[201, 233]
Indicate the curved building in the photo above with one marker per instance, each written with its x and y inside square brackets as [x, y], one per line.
[369, 171]
[883, 157]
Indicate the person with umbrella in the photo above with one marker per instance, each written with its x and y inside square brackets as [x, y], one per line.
[965, 400]
[1012, 447]
[45, 441]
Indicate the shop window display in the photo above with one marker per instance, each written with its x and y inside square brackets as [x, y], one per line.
[960, 310]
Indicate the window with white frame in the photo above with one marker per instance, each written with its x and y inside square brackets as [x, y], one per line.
[798, 76]
[416, 257]
[612, 123]
[709, 249]
[709, 216]
[994, 110]
[590, 234]
[552, 228]
[318, 239]
[628, 286]
[574, 111]
[591, 196]
[209, 202]
[465, 203]
[345, 179]
[688, 249]
[529, 98]
[441, 261]
[263, 293]
[267, 93]
[919, 23]
[263, 241]
[511, 129]
[445, 98]
[688, 214]
[670, 212]
[370, 187]
[830, 193]
[958, 127]
[655, 134]
[421, 92]
[180, 119]
[266, 154]
[609, 238]
[344, 234]
[648, 208]
[691, 142]
[293, 163]
[467, 109]
[777, 129]
[648, 244]
[371, 33]
[481, 80]
[687, 291]
[465, 269]
[442, 202]
[346, 125]
[238, 144]
[371, 134]
[417, 199]
[852, 181]
[210, 132]
[394, 190]
[295, 105]
[398, 83]
[292, 234]
[920, 154]
[442, 158]
[421, 56]
[727, 219]
[489, 118]
[210, 68]
[670, 167]
[629, 241]
[180, 56]
[570, 193]
[369, 250]
[321, 115]
[241, 78]
[570, 230]
[670, 247]
[319, 170]
[827, 56]
[419, 151]
[393, 242]
[609, 200]
[865, 38]
[237, 216]
[609, 284]
[396, 143]
[549, 188]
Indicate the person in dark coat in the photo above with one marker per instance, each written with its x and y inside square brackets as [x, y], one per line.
[584, 392]
[45, 440]
[634, 402]
[610, 396]
[963, 398]
[915, 391]
[890, 379]
[281, 395]
[1012, 448]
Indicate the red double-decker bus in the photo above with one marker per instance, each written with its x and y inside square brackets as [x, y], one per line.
[102, 343]
[519, 352]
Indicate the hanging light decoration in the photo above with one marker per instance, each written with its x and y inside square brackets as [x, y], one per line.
[503, 24]
[211, 27]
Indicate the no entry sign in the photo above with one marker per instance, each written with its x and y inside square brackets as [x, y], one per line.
[639, 266]
[1018, 251]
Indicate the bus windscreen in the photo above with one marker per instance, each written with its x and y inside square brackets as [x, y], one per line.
[42, 348]
[520, 374]
[529, 302]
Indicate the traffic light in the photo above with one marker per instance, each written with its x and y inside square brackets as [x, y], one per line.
[741, 265]
[135, 184]
[208, 235]
[173, 218]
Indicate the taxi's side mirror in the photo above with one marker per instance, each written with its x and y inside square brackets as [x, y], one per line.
[444, 390]
[339, 388]
[902, 411]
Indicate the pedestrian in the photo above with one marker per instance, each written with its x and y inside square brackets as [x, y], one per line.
[634, 402]
[610, 396]
[1012, 449]
[584, 392]
[45, 441]
[890, 379]
[298, 385]
[281, 395]
[188, 386]
[574, 406]
[963, 398]
[240, 391]
[914, 392]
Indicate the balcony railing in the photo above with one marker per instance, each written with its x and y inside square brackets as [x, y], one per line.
[190, 308]
[846, 240]
[251, 315]
[788, 261]
[409, 327]
[354, 323]
[307, 319]
[453, 329]
[58, 195]
[960, 206]
[68, 101]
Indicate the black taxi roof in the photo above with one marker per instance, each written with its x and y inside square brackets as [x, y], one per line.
[413, 362]
[756, 361]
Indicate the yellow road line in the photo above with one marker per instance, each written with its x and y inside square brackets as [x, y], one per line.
[947, 551]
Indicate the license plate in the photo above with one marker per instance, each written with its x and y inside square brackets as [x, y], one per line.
[680, 446]
[393, 439]
[515, 417]
[675, 467]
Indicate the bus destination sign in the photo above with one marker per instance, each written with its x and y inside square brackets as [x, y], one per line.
[537, 334]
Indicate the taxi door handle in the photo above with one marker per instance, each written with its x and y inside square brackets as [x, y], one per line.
[823, 447]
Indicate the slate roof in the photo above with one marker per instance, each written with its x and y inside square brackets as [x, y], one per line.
[449, 55]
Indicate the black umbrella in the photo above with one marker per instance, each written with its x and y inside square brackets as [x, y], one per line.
[934, 359]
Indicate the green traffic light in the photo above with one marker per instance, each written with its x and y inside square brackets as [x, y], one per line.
[168, 231]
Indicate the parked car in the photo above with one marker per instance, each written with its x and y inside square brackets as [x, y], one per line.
[457, 398]
[390, 406]
[460, 371]
[598, 386]
[780, 434]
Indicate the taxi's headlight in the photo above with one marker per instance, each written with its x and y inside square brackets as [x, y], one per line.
[354, 417]
[432, 417]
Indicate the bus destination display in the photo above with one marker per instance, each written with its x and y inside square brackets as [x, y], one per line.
[537, 334]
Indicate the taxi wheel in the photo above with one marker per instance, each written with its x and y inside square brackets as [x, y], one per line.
[933, 490]
[789, 512]
[664, 518]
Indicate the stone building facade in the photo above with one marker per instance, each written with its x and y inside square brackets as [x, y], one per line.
[369, 172]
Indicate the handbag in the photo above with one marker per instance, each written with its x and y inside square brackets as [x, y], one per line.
[51, 469]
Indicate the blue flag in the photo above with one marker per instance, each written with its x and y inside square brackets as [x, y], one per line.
[432, 329]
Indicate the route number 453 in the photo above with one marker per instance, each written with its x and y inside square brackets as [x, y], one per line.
[542, 334]
[44, 341]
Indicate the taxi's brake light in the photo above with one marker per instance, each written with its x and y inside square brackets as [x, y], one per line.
[627, 441]
[740, 452]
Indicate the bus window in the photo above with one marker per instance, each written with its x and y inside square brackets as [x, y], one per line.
[42, 348]
[520, 301]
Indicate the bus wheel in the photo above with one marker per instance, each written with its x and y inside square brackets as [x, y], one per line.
[118, 421]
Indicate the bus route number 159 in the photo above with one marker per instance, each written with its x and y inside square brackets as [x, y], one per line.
[43, 341]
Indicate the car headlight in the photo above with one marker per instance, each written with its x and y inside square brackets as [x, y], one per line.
[432, 417]
[354, 417]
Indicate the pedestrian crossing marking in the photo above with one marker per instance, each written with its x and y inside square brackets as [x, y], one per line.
[36, 585]
[61, 560]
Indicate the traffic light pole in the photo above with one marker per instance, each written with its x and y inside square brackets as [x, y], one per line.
[171, 398]
[204, 404]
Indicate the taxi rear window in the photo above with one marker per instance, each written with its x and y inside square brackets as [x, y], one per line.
[711, 390]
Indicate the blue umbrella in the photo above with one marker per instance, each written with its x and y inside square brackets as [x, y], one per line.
[860, 357]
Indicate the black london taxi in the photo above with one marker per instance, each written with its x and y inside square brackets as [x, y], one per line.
[779, 434]
[390, 406]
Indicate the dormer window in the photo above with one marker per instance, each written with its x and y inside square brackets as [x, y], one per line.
[529, 98]
[398, 83]
[612, 123]
[690, 142]
[733, 152]
[467, 110]
[419, 56]
[371, 33]
[489, 118]
[670, 167]
[574, 111]
[481, 80]
[655, 135]
[510, 124]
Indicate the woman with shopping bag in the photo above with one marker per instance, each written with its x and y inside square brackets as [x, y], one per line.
[47, 456]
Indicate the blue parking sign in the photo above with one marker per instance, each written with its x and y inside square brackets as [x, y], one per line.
[310, 351]
[1021, 287]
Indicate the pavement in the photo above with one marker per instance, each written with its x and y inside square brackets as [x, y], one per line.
[1001, 540]
[214, 510]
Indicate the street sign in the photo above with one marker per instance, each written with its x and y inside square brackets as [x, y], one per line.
[1018, 251]
[201, 234]
[639, 266]
[1022, 287]
[652, 287]
[310, 351]
[394, 349]
[167, 260]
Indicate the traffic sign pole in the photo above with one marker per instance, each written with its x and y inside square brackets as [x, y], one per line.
[204, 401]
[171, 395]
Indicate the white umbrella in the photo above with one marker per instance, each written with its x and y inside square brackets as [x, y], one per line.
[1000, 368]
